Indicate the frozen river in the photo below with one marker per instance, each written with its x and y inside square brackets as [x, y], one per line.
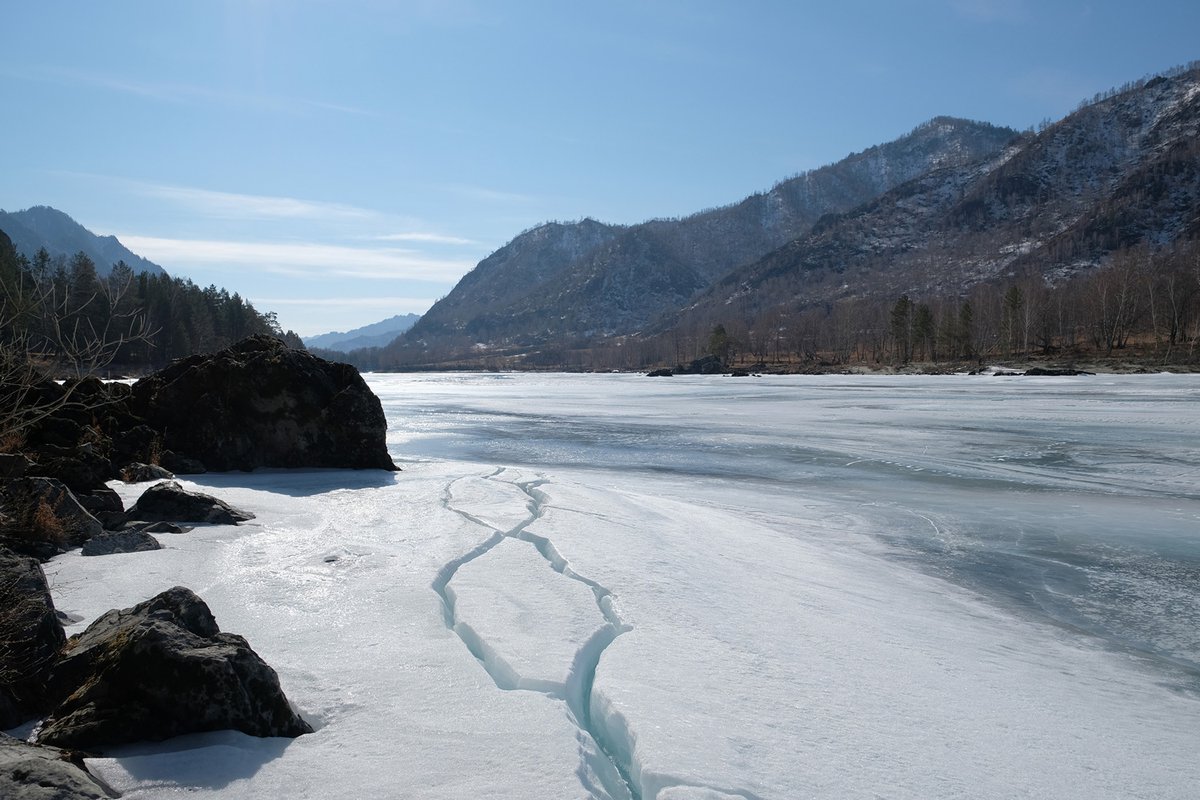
[705, 587]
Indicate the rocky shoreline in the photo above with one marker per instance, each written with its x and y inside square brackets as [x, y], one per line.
[163, 667]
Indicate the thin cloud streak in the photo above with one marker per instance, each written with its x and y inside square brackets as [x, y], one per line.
[181, 93]
[239, 206]
[430, 238]
[300, 259]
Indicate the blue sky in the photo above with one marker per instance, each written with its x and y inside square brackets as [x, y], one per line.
[340, 162]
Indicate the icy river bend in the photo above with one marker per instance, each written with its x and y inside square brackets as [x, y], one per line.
[610, 586]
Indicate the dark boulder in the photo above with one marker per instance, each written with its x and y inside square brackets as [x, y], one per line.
[39, 772]
[170, 502]
[110, 542]
[260, 403]
[162, 669]
[31, 637]
[660, 373]
[181, 465]
[43, 517]
[80, 468]
[14, 465]
[153, 527]
[1055, 372]
[707, 365]
[138, 472]
[134, 441]
[100, 502]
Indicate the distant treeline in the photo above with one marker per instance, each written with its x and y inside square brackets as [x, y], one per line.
[1143, 306]
[144, 321]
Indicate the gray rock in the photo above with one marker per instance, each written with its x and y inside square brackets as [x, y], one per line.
[99, 501]
[162, 669]
[110, 542]
[31, 637]
[38, 772]
[138, 472]
[170, 502]
[163, 527]
[43, 517]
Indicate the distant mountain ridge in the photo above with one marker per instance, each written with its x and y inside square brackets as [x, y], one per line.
[376, 334]
[951, 205]
[587, 279]
[1122, 171]
[42, 226]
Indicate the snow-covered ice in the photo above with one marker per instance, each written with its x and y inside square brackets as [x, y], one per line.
[708, 588]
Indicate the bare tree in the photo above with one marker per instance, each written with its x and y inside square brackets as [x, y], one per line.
[47, 333]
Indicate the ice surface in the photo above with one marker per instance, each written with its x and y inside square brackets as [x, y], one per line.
[762, 588]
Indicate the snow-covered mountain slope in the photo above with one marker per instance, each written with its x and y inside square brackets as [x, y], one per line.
[586, 278]
[1121, 171]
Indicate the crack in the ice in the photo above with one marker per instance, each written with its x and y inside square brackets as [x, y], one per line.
[613, 769]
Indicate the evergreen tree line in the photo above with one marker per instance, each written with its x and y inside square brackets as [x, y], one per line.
[128, 322]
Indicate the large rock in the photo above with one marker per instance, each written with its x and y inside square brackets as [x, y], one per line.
[111, 542]
[43, 517]
[38, 772]
[260, 403]
[138, 472]
[30, 638]
[170, 502]
[162, 669]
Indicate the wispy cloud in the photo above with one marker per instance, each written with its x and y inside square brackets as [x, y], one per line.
[184, 93]
[241, 206]
[300, 259]
[423, 238]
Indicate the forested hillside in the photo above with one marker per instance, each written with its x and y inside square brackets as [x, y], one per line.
[959, 241]
[61, 309]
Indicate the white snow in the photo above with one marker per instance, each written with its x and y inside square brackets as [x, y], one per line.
[710, 588]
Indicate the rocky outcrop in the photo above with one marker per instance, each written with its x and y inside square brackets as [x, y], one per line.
[1055, 372]
[162, 669]
[43, 517]
[170, 502]
[38, 772]
[138, 472]
[260, 403]
[30, 638]
[705, 365]
[108, 543]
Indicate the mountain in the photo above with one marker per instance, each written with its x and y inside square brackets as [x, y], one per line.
[374, 335]
[587, 279]
[42, 226]
[1121, 171]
